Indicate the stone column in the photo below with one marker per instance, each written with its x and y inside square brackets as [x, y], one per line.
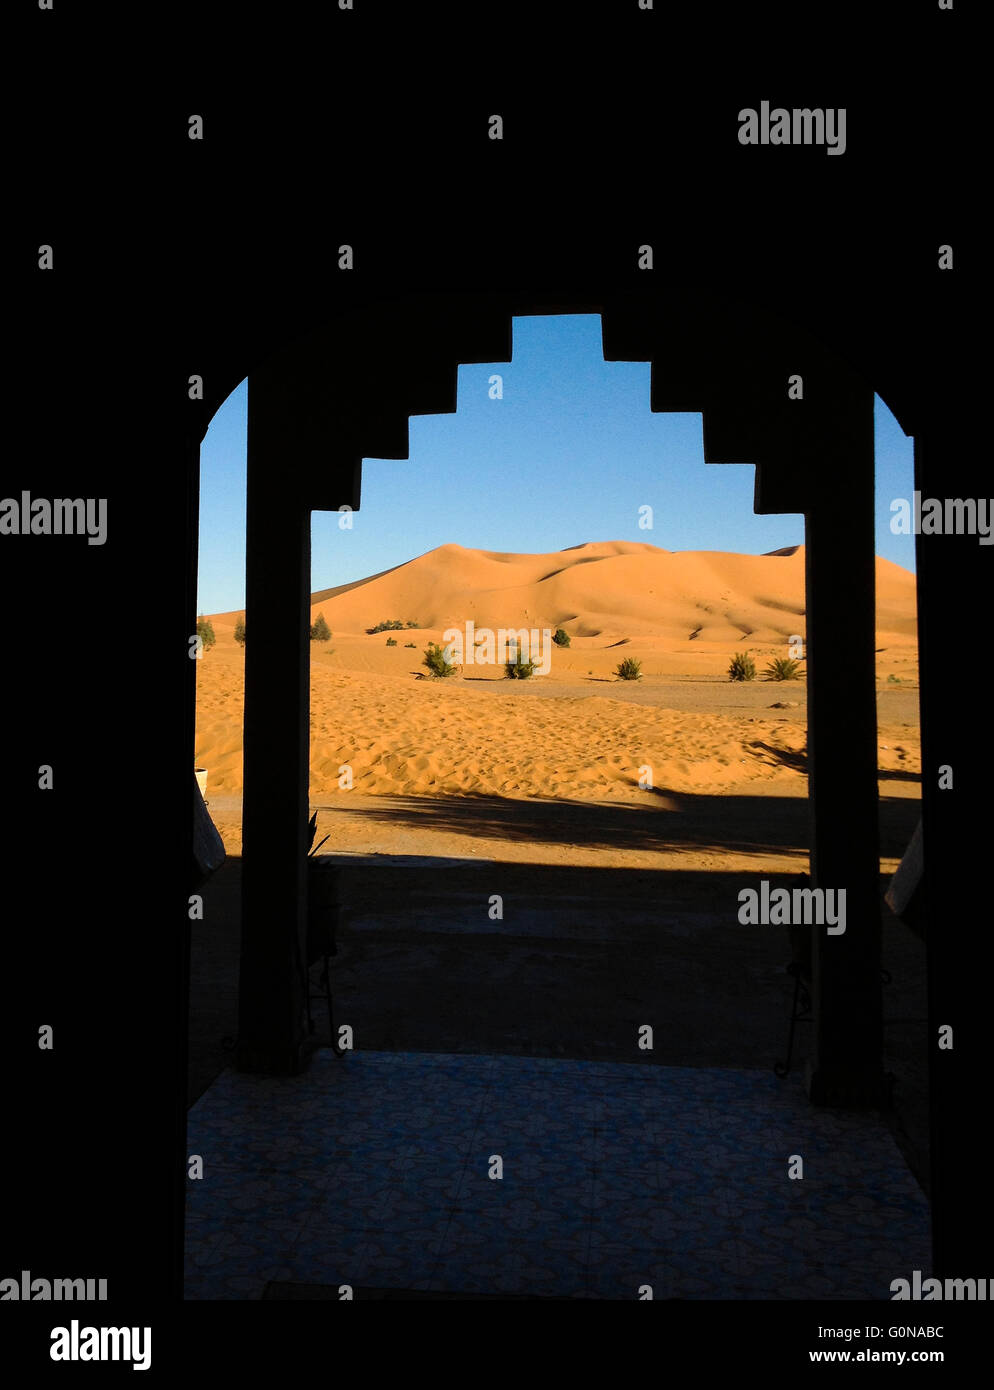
[272, 1026]
[846, 1066]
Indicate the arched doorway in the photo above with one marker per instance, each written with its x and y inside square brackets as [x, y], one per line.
[322, 402]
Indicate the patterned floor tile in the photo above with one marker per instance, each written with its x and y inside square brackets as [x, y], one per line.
[630, 1150]
[620, 1273]
[324, 1253]
[442, 1133]
[227, 1195]
[489, 1259]
[409, 1260]
[522, 1214]
[239, 1262]
[422, 1187]
[373, 1169]
[550, 1182]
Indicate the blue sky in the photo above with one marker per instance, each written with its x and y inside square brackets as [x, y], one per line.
[569, 455]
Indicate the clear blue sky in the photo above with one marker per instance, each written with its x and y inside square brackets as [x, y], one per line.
[568, 455]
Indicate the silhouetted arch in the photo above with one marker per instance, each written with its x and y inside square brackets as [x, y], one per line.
[346, 389]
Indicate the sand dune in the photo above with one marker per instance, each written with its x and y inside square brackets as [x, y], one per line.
[606, 589]
[578, 733]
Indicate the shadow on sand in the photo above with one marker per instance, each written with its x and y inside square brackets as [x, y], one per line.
[757, 825]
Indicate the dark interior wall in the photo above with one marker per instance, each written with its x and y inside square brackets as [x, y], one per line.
[174, 258]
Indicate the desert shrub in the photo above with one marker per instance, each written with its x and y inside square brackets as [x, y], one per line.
[518, 668]
[783, 668]
[320, 631]
[390, 625]
[436, 662]
[411, 644]
[391, 641]
[240, 632]
[561, 638]
[629, 669]
[741, 667]
[205, 631]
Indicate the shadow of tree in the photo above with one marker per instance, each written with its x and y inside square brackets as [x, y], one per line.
[795, 758]
[666, 820]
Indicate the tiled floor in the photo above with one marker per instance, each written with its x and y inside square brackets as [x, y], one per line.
[373, 1170]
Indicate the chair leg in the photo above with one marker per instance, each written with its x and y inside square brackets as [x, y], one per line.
[310, 1016]
[781, 1069]
[327, 991]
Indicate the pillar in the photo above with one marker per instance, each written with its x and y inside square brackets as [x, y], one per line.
[846, 1065]
[272, 1028]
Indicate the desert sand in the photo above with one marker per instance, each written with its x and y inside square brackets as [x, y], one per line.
[578, 737]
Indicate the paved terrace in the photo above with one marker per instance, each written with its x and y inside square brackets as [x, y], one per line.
[373, 1170]
[517, 1038]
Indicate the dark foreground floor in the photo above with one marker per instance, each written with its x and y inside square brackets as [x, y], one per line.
[432, 1172]
[581, 959]
[518, 1038]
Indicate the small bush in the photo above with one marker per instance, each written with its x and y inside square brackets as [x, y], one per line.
[390, 625]
[320, 631]
[411, 644]
[782, 668]
[561, 638]
[894, 680]
[518, 668]
[391, 641]
[742, 667]
[629, 669]
[240, 632]
[205, 632]
[434, 659]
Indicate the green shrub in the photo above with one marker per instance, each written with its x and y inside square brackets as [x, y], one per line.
[411, 644]
[205, 632]
[320, 631]
[782, 668]
[391, 641]
[561, 638]
[390, 625]
[742, 667]
[629, 669]
[240, 632]
[518, 668]
[434, 659]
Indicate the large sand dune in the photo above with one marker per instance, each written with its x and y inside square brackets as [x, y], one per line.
[578, 733]
[607, 589]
